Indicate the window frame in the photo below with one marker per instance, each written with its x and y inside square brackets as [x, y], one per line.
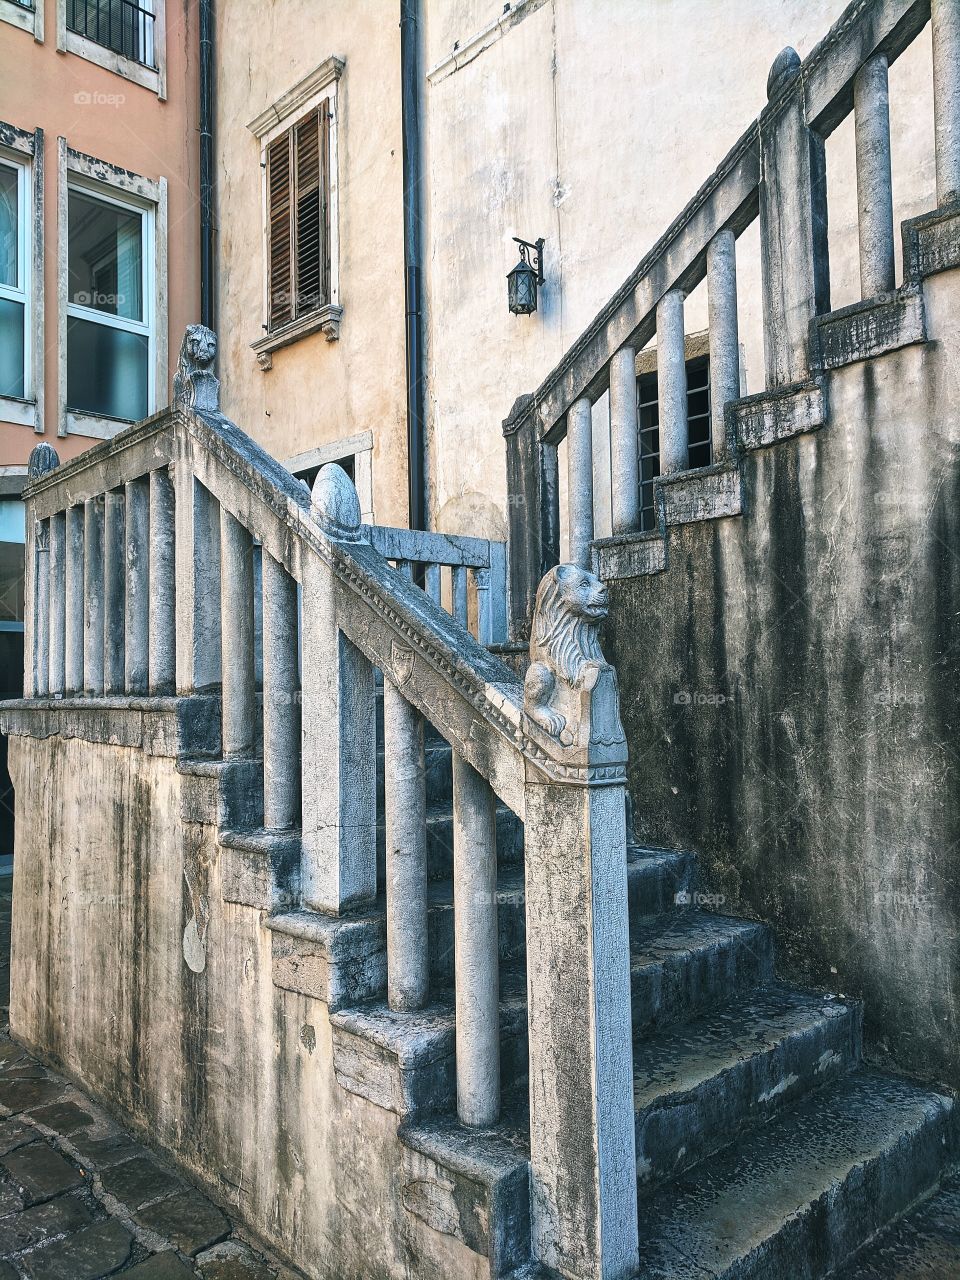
[26, 19]
[153, 79]
[359, 447]
[321, 85]
[133, 193]
[23, 152]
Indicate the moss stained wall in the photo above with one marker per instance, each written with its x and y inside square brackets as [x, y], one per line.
[790, 694]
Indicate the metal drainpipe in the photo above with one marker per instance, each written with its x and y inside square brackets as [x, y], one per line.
[208, 310]
[412, 174]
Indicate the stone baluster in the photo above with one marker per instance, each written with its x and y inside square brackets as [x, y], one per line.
[281, 698]
[339, 860]
[239, 694]
[93, 597]
[580, 480]
[163, 590]
[408, 952]
[582, 1153]
[793, 227]
[871, 104]
[724, 334]
[624, 442]
[43, 459]
[533, 510]
[945, 22]
[433, 583]
[672, 384]
[491, 584]
[114, 591]
[197, 553]
[458, 575]
[476, 946]
[73, 636]
[41, 610]
[137, 602]
[57, 601]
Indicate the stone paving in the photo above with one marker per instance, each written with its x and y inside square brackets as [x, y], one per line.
[81, 1199]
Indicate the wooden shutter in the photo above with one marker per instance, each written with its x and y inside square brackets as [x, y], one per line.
[280, 286]
[309, 228]
[298, 193]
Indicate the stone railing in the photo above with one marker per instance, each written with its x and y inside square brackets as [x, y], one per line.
[775, 171]
[179, 559]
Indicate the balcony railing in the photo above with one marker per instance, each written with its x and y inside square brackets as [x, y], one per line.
[121, 25]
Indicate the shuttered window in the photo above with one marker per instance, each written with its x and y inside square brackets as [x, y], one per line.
[298, 199]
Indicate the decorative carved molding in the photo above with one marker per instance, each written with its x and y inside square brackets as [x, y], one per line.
[570, 690]
[43, 459]
[195, 385]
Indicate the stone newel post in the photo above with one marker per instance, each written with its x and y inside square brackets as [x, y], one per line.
[578, 949]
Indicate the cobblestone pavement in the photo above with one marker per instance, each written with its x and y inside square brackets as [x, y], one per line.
[80, 1198]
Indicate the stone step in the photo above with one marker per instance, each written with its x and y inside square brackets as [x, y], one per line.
[405, 1062]
[472, 1184]
[699, 1086]
[922, 1245]
[658, 880]
[801, 1194]
[689, 962]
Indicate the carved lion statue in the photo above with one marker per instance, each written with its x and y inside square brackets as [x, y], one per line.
[194, 383]
[570, 605]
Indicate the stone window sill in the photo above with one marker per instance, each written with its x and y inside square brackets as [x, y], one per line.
[26, 19]
[95, 425]
[326, 320]
[147, 77]
[22, 412]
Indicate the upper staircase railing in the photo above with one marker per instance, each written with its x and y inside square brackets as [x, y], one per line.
[775, 171]
[179, 558]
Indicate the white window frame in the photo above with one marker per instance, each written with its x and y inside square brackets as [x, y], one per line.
[148, 78]
[148, 197]
[320, 85]
[26, 19]
[24, 152]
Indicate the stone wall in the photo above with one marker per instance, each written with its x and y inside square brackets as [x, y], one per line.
[230, 1074]
[790, 694]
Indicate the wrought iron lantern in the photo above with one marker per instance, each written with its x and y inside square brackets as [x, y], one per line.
[523, 280]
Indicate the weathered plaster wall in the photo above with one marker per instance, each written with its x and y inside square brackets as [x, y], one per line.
[230, 1073]
[317, 391]
[592, 123]
[109, 117]
[790, 694]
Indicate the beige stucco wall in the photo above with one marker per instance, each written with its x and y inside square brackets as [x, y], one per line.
[317, 391]
[124, 124]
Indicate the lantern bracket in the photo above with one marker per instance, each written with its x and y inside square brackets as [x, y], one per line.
[528, 247]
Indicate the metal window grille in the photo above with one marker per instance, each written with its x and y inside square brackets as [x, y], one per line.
[124, 26]
[698, 423]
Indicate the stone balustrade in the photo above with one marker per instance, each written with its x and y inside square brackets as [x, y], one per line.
[776, 172]
[180, 560]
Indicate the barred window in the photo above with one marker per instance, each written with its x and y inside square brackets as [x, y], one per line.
[298, 219]
[698, 424]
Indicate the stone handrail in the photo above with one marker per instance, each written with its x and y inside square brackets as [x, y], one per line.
[179, 559]
[775, 171]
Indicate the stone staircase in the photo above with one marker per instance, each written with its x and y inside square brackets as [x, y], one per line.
[765, 1147]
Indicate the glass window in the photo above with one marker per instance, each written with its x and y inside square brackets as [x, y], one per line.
[109, 340]
[13, 295]
[9, 224]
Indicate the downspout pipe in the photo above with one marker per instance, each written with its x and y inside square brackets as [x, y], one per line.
[208, 309]
[412, 258]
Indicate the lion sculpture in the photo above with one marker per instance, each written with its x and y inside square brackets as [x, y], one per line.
[566, 664]
[195, 385]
